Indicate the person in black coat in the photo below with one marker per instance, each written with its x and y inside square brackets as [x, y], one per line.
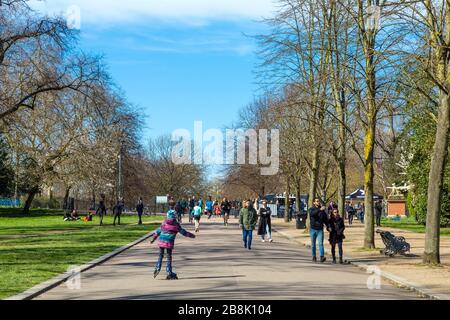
[378, 212]
[225, 206]
[101, 210]
[350, 213]
[192, 203]
[336, 227]
[179, 211]
[140, 209]
[265, 222]
[118, 210]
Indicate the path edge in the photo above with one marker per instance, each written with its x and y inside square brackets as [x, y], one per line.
[399, 282]
[63, 277]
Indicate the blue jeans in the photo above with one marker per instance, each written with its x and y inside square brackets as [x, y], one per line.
[317, 235]
[247, 236]
[169, 260]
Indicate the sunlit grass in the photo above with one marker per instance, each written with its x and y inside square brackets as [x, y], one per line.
[409, 224]
[38, 246]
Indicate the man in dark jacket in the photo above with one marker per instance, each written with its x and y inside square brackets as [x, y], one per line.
[118, 210]
[179, 211]
[140, 210]
[101, 210]
[192, 204]
[378, 212]
[319, 219]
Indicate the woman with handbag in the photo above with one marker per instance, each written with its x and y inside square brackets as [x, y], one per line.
[336, 227]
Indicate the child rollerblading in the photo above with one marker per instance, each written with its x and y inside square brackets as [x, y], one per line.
[167, 233]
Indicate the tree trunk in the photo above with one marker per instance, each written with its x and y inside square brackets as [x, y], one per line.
[369, 139]
[50, 192]
[342, 156]
[298, 195]
[66, 197]
[263, 192]
[342, 186]
[312, 183]
[369, 232]
[31, 194]
[314, 176]
[435, 182]
[439, 156]
[287, 200]
[93, 197]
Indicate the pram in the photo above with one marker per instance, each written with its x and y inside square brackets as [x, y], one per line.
[394, 245]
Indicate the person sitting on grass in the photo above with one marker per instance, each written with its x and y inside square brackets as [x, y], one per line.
[167, 233]
[74, 215]
[88, 217]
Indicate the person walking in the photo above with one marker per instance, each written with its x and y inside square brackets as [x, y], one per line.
[101, 210]
[291, 210]
[118, 210]
[192, 204]
[346, 207]
[336, 227]
[209, 207]
[378, 212]
[179, 211]
[225, 208]
[140, 210]
[217, 210]
[319, 219]
[184, 206]
[167, 233]
[265, 222]
[361, 212]
[351, 213]
[247, 222]
[197, 214]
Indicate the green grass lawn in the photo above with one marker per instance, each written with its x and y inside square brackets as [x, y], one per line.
[38, 246]
[410, 224]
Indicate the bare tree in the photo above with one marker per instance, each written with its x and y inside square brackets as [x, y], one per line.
[37, 56]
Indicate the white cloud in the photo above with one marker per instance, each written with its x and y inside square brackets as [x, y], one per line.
[192, 12]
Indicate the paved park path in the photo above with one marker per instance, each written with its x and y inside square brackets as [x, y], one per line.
[215, 266]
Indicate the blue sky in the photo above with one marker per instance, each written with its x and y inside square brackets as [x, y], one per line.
[178, 60]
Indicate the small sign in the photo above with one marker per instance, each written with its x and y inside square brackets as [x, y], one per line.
[161, 200]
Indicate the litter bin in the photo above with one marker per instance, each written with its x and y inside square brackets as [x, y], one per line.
[301, 220]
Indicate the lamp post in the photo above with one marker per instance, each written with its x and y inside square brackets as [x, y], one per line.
[120, 159]
[120, 178]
